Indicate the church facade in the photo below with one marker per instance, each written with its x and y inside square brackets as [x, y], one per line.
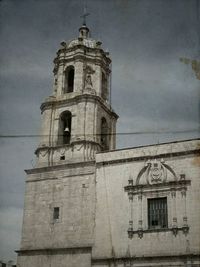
[88, 204]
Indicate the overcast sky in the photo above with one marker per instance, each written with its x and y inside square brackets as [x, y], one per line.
[155, 48]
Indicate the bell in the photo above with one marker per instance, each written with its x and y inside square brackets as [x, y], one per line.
[66, 129]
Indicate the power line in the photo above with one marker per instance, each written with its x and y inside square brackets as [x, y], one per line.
[116, 134]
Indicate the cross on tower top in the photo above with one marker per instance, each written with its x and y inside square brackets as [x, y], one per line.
[85, 14]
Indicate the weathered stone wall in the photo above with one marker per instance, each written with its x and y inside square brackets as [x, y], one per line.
[62, 258]
[72, 189]
[114, 209]
[96, 210]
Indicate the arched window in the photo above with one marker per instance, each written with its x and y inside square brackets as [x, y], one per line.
[104, 134]
[69, 80]
[104, 89]
[65, 128]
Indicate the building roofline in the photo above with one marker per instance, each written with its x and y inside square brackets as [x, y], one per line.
[160, 144]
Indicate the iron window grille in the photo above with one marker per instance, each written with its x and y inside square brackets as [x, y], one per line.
[157, 213]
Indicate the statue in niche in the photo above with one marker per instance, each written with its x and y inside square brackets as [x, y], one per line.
[88, 79]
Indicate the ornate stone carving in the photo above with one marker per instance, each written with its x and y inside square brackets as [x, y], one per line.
[185, 227]
[156, 172]
[173, 193]
[88, 85]
[140, 233]
[43, 152]
[62, 151]
[158, 179]
[175, 230]
[130, 229]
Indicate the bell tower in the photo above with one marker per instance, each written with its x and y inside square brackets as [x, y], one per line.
[77, 120]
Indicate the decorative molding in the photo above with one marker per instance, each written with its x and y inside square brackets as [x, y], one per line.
[130, 229]
[50, 251]
[147, 157]
[75, 99]
[61, 167]
[43, 152]
[175, 230]
[65, 50]
[173, 193]
[185, 225]
[155, 173]
[171, 186]
[147, 259]
[64, 148]
[100, 60]
[140, 232]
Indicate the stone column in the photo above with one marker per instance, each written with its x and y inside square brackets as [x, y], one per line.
[183, 194]
[98, 83]
[60, 79]
[140, 221]
[130, 196]
[78, 77]
[174, 216]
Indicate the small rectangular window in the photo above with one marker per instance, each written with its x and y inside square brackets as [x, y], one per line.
[157, 213]
[56, 213]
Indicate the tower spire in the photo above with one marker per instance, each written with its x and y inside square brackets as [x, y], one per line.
[85, 14]
[84, 30]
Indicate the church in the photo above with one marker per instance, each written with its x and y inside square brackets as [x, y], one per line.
[90, 204]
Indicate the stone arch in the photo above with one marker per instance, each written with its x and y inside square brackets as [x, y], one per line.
[155, 171]
[69, 79]
[104, 134]
[104, 87]
[65, 122]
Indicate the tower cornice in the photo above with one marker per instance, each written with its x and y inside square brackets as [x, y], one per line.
[63, 166]
[79, 57]
[83, 47]
[77, 99]
[94, 55]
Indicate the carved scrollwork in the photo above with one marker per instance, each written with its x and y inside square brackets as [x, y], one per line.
[157, 179]
[43, 152]
[62, 151]
[156, 171]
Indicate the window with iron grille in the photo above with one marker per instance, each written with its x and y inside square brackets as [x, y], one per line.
[157, 213]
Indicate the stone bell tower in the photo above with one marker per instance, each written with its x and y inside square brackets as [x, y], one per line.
[77, 120]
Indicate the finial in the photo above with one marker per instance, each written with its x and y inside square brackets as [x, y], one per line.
[84, 31]
[85, 14]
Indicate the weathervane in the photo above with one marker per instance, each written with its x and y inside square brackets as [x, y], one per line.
[85, 14]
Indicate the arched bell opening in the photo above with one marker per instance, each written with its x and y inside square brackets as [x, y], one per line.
[104, 89]
[65, 128]
[69, 80]
[104, 141]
